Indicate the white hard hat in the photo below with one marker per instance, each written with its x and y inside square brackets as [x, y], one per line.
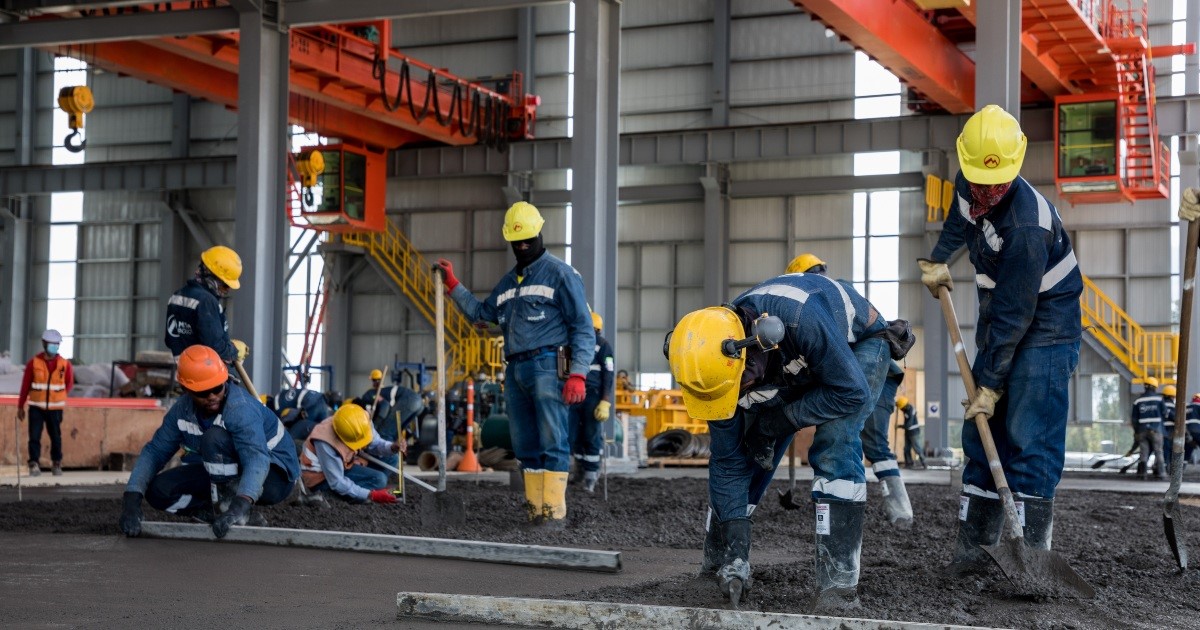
[52, 336]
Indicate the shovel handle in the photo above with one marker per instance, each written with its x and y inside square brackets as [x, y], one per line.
[981, 420]
[237, 364]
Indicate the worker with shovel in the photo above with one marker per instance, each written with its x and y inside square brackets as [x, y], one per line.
[876, 448]
[328, 462]
[798, 350]
[588, 417]
[236, 453]
[541, 307]
[1028, 333]
[386, 402]
[194, 312]
[912, 433]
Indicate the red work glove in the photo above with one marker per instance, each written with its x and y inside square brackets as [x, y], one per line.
[574, 391]
[382, 496]
[447, 268]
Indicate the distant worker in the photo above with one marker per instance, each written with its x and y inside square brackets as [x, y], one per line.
[328, 461]
[1193, 428]
[1147, 418]
[912, 432]
[588, 417]
[194, 313]
[236, 453]
[813, 356]
[541, 308]
[395, 402]
[624, 383]
[1027, 334]
[1168, 425]
[47, 380]
[301, 408]
[877, 426]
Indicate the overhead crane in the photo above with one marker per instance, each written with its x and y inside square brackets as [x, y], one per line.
[1092, 59]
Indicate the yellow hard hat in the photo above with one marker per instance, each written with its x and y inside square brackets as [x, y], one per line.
[709, 379]
[901, 402]
[224, 263]
[352, 425]
[1151, 381]
[522, 221]
[376, 375]
[991, 147]
[597, 321]
[1169, 390]
[804, 262]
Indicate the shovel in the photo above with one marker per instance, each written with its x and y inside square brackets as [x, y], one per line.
[1172, 518]
[1033, 571]
[786, 499]
[237, 363]
[437, 508]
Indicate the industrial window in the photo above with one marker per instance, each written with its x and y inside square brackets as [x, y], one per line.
[876, 236]
[304, 286]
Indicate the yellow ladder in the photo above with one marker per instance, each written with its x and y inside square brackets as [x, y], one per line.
[1143, 353]
[470, 351]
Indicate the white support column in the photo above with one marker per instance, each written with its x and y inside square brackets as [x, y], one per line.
[998, 55]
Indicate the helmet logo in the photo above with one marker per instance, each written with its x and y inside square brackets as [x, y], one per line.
[516, 227]
[991, 161]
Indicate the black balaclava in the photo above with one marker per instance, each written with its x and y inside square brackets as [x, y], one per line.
[526, 256]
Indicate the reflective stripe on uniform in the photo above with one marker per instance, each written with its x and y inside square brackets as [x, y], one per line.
[184, 301]
[221, 470]
[179, 504]
[280, 431]
[850, 313]
[189, 427]
[841, 488]
[587, 458]
[310, 456]
[979, 492]
[887, 464]
[539, 290]
[782, 290]
[1058, 272]
[984, 281]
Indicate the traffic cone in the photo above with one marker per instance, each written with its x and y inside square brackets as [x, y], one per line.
[470, 463]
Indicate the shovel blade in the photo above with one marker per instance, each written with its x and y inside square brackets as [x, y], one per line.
[788, 501]
[1171, 516]
[440, 509]
[1038, 571]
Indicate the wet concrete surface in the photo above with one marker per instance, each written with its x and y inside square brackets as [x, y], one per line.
[68, 566]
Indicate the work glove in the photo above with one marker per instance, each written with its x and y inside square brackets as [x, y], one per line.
[21, 414]
[237, 513]
[603, 409]
[934, 275]
[984, 403]
[574, 391]
[382, 496]
[447, 268]
[131, 514]
[243, 351]
[1189, 205]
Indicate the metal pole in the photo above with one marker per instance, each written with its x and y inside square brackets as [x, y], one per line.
[440, 329]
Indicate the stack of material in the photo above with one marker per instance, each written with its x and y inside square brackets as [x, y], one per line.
[677, 443]
[498, 459]
[10, 375]
[95, 380]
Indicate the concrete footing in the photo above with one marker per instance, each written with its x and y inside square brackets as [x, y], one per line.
[503, 553]
[556, 613]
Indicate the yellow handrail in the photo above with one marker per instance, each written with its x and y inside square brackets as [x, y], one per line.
[1144, 353]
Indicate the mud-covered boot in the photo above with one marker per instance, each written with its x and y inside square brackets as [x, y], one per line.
[590, 478]
[838, 549]
[895, 502]
[1039, 522]
[980, 520]
[734, 575]
[533, 494]
[554, 500]
[714, 547]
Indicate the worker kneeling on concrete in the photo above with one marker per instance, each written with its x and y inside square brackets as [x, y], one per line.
[194, 312]
[301, 409]
[828, 372]
[588, 417]
[875, 430]
[236, 453]
[328, 460]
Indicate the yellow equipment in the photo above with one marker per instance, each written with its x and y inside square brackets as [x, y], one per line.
[804, 264]
[352, 425]
[597, 321]
[522, 221]
[224, 263]
[75, 101]
[991, 147]
[310, 166]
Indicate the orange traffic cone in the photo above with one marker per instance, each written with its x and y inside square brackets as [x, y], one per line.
[469, 462]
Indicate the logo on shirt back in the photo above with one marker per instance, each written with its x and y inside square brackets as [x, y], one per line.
[176, 328]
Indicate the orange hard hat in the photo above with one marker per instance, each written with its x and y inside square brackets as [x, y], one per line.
[201, 369]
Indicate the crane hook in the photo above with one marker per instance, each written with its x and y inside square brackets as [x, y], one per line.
[70, 145]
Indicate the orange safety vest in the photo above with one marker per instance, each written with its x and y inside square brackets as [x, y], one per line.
[48, 389]
[310, 465]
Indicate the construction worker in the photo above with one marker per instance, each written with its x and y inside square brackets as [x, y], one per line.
[541, 308]
[47, 380]
[1027, 336]
[236, 453]
[1193, 427]
[828, 372]
[327, 462]
[393, 401]
[1147, 420]
[1168, 425]
[875, 430]
[588, 417]
[912, 432]
[301, 408]
[194, 312]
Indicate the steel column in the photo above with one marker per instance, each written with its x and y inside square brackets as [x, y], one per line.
[15, 239]
[337, 310]
[594, 152]
[722, 20]
[181, 124]
[998, 55]
[716, 238]
[260, 230]
[527, 46]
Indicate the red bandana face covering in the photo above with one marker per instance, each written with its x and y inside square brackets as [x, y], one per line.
[985, 196]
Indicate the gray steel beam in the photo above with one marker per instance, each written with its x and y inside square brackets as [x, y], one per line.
[820, 185]
[117, 27]
[62, 6]
[594, 152]
[260, 231]
[722, 20]
[211, 172]
[998, 55]
[527, 47]
[481, 551]
[309, 12]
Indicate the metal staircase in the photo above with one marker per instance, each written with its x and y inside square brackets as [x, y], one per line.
[1132, 350]
[1147, 160]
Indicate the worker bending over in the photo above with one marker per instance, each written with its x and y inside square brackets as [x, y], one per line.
[1147, 419]
[328, 461]
[301, 408]
[1027, 335]
[912, 433]
[236, 453]
[588, 417]
[194, 312]
[394, 407]
[828, 372]
[541, 308]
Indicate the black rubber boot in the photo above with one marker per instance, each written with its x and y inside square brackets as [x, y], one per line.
[981, 526]
[1039, 523]
[714, 548]
[734, 575]
[762, 436]
[838, 549]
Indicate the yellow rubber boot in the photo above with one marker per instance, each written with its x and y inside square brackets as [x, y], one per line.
[554, 501]
[533, 493]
